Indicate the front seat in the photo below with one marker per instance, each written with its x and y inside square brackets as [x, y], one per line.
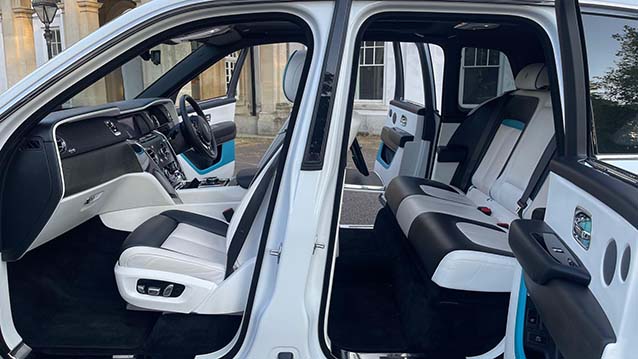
[188, 263]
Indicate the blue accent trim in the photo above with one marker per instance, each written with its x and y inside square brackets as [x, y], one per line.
[228, 156]
[519, 349]
[380, 160]
[514, 124]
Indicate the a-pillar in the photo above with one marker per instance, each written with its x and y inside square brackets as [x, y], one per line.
[17, 31]
[274, 106]
[81, 17]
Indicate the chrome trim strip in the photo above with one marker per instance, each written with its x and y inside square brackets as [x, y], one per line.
[356, 226]
[363, 188]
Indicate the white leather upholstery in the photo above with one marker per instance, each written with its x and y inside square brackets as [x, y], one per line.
[511, 184]
[498, 183]
[195, 257]
[476, 272]
[532, 77]
[292, 74]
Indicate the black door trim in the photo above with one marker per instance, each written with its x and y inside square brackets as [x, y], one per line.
[324, 104]
[399, 72]
[575, 79]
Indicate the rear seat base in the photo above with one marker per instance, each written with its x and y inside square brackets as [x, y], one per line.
[463, 254]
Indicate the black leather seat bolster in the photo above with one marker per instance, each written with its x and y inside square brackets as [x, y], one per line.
[403, 186]
[154, 231]
[433, 235]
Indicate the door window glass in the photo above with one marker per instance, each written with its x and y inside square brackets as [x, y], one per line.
[485, 74]
[612, 44]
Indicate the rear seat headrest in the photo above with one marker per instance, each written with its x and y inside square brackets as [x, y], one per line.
[292, 74]
[532, 77]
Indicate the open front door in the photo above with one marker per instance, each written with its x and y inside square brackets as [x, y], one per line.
[577, 293]
[220, 113]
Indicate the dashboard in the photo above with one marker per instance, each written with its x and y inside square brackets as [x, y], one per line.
[76, 162]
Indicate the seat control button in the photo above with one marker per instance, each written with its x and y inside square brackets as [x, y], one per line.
[168, 291]
[154, 291]
[141, 288]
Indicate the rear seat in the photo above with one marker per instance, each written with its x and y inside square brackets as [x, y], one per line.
[514, 115]
[459, 246]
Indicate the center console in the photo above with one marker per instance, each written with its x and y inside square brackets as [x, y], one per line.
[158, 148]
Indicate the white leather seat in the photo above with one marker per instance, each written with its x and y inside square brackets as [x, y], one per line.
[460, 246]
[184, 262]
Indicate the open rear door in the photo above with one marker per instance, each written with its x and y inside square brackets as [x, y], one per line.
[410, 131]
[578, 297]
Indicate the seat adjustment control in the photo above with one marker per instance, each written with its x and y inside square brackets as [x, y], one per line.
[159, 288]
[154, 291]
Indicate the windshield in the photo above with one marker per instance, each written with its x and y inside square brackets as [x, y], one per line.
[130, 79]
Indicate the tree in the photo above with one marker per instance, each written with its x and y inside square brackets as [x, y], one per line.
[620, 84]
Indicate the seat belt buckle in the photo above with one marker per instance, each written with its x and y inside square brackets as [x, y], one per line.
[485, 210]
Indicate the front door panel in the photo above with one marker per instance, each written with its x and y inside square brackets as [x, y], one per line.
[220, 113]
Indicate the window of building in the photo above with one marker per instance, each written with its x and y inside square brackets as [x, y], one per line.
[613, 69]
[485, 74]
[55, 47]
[371, 61]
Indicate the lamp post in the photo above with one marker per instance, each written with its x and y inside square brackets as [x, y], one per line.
[46, 9]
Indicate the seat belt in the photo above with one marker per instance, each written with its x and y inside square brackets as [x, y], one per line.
[540, 173]
[484, 140]
[248, 217]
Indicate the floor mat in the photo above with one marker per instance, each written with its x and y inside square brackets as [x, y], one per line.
[363, 310]
[64, 295]
[381, 302]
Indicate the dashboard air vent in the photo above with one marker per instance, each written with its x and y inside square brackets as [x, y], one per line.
[31, 144]
[61, 143]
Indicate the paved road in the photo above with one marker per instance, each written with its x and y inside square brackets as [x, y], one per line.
[358, 207]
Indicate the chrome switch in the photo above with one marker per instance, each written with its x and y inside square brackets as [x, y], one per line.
[581, 228]
[168, 291]
[154, 291]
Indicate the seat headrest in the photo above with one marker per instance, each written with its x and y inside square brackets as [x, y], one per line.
[292, 74]
[532, 77]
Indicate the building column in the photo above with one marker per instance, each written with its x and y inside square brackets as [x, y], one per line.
[17, 33]
[244, 95]
[81, 17]
[274, 106]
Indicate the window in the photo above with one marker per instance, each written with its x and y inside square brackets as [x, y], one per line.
[485, 74]
[55, 47]
[613, 69]
[370, 81]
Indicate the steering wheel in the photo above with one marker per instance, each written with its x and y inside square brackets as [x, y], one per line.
[198, 132]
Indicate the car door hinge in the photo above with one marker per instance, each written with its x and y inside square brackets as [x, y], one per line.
[318, 246]
[276, 253]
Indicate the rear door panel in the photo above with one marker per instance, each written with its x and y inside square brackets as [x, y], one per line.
[577, 296]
